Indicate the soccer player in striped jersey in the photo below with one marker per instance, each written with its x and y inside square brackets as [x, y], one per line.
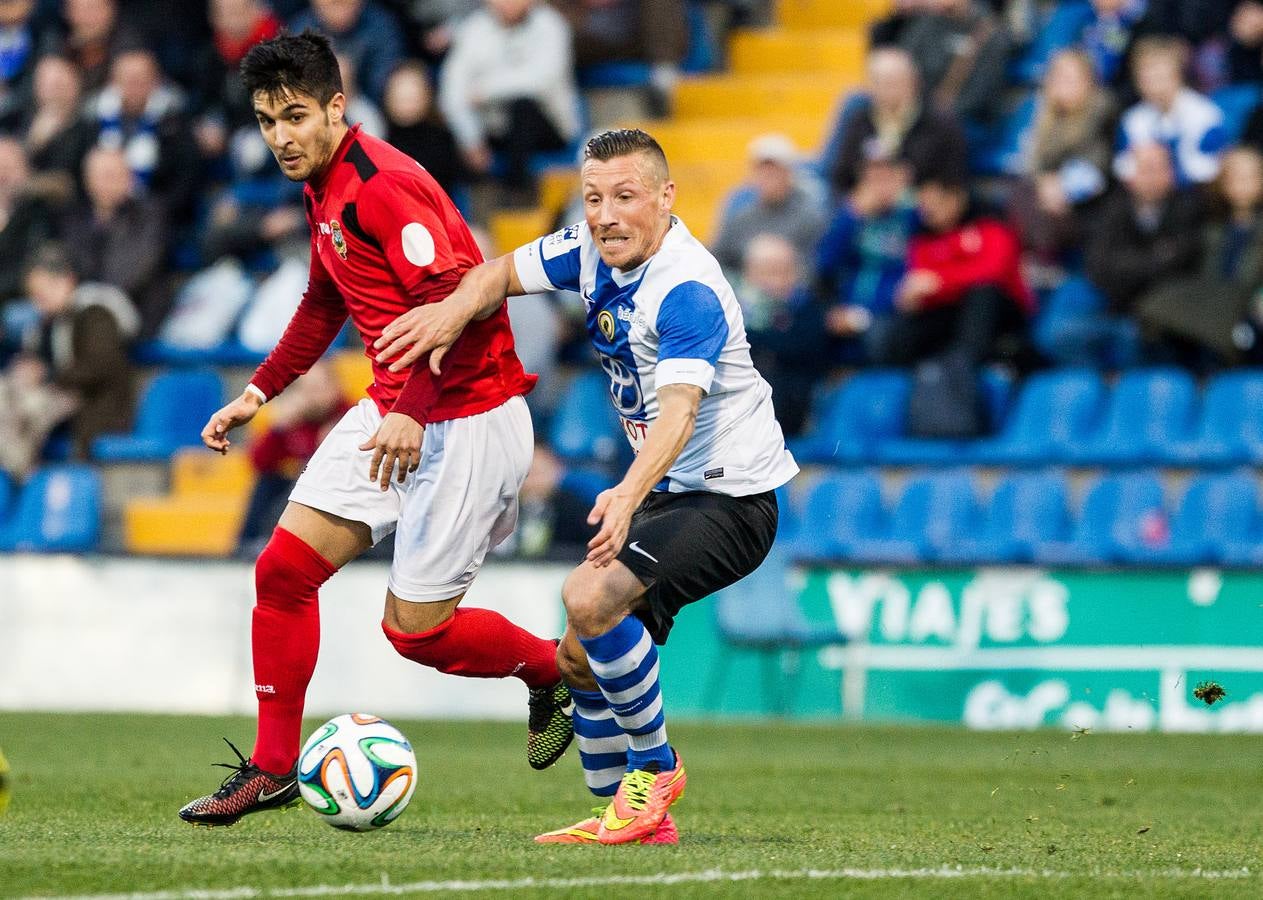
[696, 510]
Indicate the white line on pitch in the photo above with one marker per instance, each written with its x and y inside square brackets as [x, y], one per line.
[386, 887]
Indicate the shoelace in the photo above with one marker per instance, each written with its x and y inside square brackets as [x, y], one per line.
[239, 771]
[636, 786]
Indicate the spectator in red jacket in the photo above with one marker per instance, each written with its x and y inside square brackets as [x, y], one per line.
[964, 289]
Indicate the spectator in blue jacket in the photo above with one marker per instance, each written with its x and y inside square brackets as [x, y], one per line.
[1104, 29]
[367, 34]
[862, 258]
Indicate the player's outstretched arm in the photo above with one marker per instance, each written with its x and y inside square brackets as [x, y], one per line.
[433, 328]
[664, 441]
[238, 412]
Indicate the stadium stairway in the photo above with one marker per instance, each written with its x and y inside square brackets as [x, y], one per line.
[790, 77]
[202, 513]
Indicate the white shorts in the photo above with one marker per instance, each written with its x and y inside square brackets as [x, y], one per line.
[460, 503]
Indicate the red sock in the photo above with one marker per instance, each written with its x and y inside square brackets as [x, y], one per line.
[285, 639]
[479, 643]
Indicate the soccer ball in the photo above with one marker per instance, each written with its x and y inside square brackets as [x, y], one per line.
[357, 771]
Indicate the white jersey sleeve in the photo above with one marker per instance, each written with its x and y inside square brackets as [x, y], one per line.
[550, 263]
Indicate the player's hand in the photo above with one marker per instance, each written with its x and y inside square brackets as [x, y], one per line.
[238, 412]
[396, 444]
[432, 329]
[613, 510]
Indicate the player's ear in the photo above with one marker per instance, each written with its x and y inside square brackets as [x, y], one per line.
[668, 195]
[335, 110]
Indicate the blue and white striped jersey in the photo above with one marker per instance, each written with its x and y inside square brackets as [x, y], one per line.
[672, 320]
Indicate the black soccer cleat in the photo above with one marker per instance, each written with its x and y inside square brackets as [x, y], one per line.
[247, 790]
[550, 725]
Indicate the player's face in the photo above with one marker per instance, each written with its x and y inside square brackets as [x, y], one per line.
[628, 208]
[301, 133]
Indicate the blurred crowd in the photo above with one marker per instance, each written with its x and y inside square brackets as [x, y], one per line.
[1016, 184]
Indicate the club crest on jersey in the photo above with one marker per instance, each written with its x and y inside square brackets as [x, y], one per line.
[605, 322]
[339, 240]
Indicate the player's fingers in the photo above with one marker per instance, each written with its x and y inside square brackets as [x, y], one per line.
[394, 347]
[437, 357]
[405, 466]
[598, 510]
[410, 356]
[388, 466]
[374, 464]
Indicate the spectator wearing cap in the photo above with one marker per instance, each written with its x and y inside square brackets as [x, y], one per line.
[890, 120]
[1172, 114]
[363, 31]
[964, 289]
[861, 259]
[775, 202]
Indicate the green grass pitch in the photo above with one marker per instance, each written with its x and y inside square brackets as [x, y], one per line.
[772, 810]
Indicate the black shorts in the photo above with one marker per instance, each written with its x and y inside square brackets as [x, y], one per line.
[686, 546]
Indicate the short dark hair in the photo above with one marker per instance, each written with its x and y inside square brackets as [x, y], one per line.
[292, 64]
[624, 142]
[52, 257]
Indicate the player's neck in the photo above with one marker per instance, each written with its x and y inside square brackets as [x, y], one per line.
[338, 138]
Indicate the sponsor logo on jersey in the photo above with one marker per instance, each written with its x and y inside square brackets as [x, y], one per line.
[631, 316]
[605, 322]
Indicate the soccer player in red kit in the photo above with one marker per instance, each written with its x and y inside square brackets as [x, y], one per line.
[384, 239]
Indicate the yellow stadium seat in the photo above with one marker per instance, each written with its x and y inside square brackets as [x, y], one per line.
[812, 14]
[512, 229]
[199, 472]
[727, 96]
[196, 526]
[718, 141]
[785, 51]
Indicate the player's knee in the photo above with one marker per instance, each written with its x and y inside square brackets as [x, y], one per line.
[589, 601]
[288, 568]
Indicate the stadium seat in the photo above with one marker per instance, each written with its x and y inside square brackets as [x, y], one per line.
[1230, 431]
[585, 426]
[1122, 514]
[1026, 507]
[58, 511]
[761, 613]
[869, 408]
[171, 413]
[1217, 510]
[1147, 409]
[934, 511]
[842, 508]
[996, 387]
[1054, 411]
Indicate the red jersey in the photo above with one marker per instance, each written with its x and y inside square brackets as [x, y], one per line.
[386, 238]
[982, 251]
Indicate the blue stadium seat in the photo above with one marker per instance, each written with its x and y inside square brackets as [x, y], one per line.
[996, 387]
[58, 511]
[1148, 408]
[1121, 514]
[1217, 510]
[1026, 507]
[869, 408]
[934, 511]
[1230, 430]
[585, 426]
[172, 412]
[1054, 411]
[842, 508]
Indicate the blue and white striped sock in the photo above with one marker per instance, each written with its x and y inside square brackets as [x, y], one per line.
[625, 663]
[602, 742]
